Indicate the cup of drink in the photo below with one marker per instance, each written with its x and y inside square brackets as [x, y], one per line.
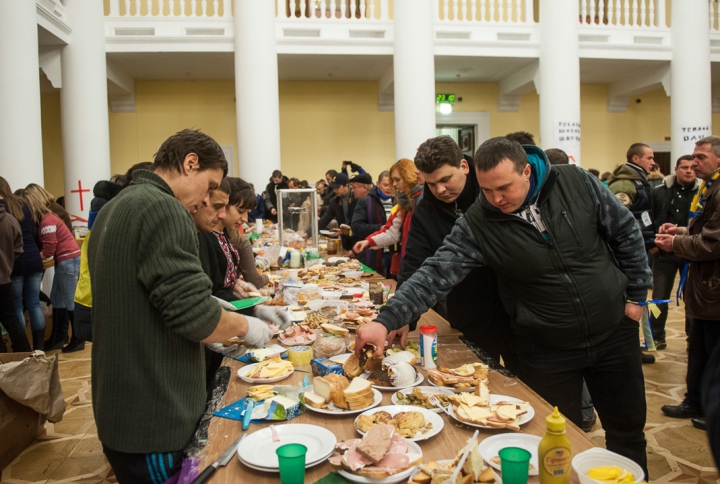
[291, 461]
[515, 465]
[332, 245]
[258, 225]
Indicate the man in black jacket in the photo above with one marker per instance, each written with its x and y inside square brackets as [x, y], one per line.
[670, 204]
[451, 187]
[277, 182]
[369, 217]
[341, 209]
[571, 267]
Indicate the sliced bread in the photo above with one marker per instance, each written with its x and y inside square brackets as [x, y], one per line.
[314, 400]
[332, 329]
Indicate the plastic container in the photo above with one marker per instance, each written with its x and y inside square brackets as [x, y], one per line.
[353, 274]
[428, 347]
[598, 457]
[515, 465]
[291, 462]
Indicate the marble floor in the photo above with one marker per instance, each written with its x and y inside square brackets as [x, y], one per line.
[71, 452]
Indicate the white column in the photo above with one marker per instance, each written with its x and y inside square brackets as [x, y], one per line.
[84, 106]
[256, 91]
[414, 72]
[560, 77]
[20, 127]
[690, 83]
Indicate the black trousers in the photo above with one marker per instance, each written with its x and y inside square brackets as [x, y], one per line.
[143, 468]
[665, 267]
[613, 372]
[9, 320]
[703, 339]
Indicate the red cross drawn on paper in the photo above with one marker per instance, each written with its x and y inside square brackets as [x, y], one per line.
[80, 191]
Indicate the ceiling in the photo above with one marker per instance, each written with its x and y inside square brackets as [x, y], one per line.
[605, 71]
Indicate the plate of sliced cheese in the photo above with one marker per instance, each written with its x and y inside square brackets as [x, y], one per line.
[268, 371]
[490, 412]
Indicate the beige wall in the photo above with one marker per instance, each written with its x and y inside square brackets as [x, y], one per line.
[323, 123]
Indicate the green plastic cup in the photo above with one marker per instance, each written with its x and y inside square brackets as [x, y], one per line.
[291, 460]
[515, 465]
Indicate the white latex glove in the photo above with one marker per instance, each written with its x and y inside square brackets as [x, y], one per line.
[272, 314]
[234, 351]
[258, 333]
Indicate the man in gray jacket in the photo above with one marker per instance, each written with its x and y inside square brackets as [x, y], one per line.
[571, 267]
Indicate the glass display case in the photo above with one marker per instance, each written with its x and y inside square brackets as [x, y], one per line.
[297, 212]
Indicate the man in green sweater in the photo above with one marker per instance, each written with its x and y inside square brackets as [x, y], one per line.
[152, 310]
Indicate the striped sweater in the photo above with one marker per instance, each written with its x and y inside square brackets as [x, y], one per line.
[151, 308]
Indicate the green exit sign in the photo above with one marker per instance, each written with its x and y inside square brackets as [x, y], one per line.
[445, 98]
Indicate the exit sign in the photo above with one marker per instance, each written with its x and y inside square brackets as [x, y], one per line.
[445, 98]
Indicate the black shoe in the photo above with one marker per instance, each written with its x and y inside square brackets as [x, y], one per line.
[75, 344]
[660, 344]
[39, 340]
[646, 358]
[587, 425]
[683, 410]
[699, 423]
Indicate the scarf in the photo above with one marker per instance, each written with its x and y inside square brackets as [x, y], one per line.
[383, 196]
[407, 203]
[698, 203]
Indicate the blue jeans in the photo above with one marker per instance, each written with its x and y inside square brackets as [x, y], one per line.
[26, 289]
[65, 281]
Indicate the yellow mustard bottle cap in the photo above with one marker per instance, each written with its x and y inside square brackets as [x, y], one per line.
[555, 422]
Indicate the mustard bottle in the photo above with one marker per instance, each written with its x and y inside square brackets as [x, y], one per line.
[554, 451]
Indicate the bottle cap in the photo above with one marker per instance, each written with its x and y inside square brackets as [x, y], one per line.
[555, 422]
[428, 329]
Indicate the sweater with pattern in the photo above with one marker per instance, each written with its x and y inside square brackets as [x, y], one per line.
[151, 309]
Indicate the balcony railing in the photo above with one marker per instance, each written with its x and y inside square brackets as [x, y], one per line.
[623, 13]
[171, 8]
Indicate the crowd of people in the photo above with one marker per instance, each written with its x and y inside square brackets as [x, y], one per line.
[543, 265]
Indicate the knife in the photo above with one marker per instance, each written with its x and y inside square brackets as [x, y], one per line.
[221, 462]
[248, 414]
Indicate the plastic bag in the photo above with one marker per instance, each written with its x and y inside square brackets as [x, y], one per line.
[330, 346]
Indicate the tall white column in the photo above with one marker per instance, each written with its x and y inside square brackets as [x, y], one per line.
[414, 73]
[20, 127]
[84, 106]
[256, 91]
[690, 83]
[559, 87]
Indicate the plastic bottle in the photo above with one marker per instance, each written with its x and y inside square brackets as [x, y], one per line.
[554, 451]
[428, 346]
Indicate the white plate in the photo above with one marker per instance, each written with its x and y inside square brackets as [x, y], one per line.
[246, 370]
[417, 381]
[333, 410]
[490, 447]
[498, 479]
[522, 419]
[413, 448]
[297, 316]
[426, 391]
[436, 420]
[340, 358]
[333, 260]
[452, 389]
[258, 448]
[326, 232]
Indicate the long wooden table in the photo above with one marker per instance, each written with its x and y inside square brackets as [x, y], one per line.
[452, 352]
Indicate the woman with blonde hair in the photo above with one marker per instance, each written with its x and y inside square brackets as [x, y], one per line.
[49, 201]
[58, 244]
[408, 193]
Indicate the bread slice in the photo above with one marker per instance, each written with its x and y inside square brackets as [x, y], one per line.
[338, 384]
[351, 367]
[323, 387]
[332, 329]
[375, 444]
[314, 400]
[358, 386]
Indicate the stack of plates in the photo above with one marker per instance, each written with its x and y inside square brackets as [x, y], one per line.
[257, 450]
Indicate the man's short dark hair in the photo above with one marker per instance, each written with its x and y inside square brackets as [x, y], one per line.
[683, 158]
[713, 141]
[332, 173]
[276, 174]
[493, 151]
[172, 153]
[224, 186]
[242, 194]
[437, 152]
[605, 176]
[594, 172]
[636, 149]
[556, 156]
[522, 137]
